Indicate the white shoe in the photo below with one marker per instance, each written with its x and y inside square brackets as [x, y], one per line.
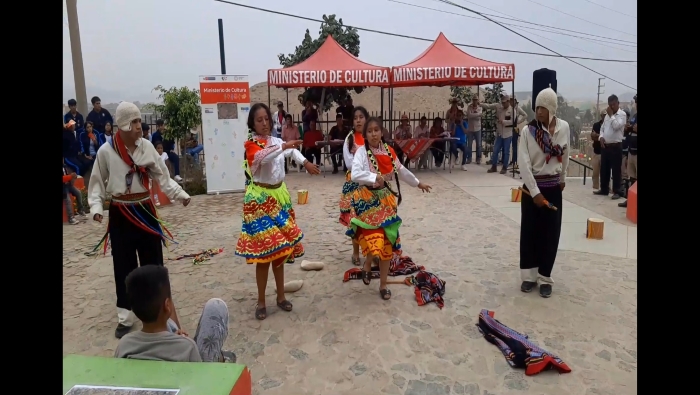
[73, 221]
[464, 167]
[178, 178]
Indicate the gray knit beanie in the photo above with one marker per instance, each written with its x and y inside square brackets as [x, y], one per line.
[547, 98]
[127, 112]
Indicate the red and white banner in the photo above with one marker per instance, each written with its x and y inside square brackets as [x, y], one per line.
[370, 77]
[414, 148]
[476, 73]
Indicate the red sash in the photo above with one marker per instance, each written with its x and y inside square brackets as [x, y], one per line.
[123, 153]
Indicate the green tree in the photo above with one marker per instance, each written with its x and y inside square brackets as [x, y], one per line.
[588, 117]
[462, 93]
[570, 115]
[346, 36]
[492, 94]
[180, 110]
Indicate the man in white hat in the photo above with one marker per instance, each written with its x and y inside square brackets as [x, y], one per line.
[543, 159]
[124, 169]
[506, 119]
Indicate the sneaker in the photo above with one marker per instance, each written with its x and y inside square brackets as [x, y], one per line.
[546, 290]
[464, 167]
[469, 161]
[121, 331]
[615, 196]
[178, 178]
[623, 204]
[504, 170]
[229, 356]
[492, 170]
[601, 193]
[82, 213]
[73, 221]
[527, 286]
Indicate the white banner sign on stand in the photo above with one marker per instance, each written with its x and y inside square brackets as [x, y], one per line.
[225, 101]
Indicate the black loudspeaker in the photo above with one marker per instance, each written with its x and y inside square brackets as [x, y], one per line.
[541, 80]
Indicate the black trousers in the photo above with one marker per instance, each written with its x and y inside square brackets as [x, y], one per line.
[128, 240]
[611, 160]
[315, 151]
[438, 150]
[540, 228]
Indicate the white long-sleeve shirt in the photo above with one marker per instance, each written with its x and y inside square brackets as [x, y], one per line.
[613, 128]
[110, 167]
[349, 154]
[363, 171]
[533, 161]
[268, 164]
[277, 125]
[505, 127]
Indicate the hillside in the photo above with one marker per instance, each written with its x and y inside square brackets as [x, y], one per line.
[423, 99]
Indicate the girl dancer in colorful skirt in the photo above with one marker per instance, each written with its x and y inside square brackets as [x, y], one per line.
[376, 226]
[353, 141]
[269, 234]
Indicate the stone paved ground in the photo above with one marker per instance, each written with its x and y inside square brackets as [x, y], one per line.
[342, 339]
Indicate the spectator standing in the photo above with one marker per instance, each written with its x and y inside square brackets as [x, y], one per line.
[74, 115]
[146, 132]
[69, 189]
[612, 132]
[623, 171]
[290, 132]
[278, 120]
[308, 114]
[505, 120]
[474, 113]
[452, 114]
[99, 116]
[519, 123]
[595, 135]
[402, 132]
[346, 110]
[338, 132]
[168, 147]
[632, 152]
[72, 155]
[193, 148]
[311, 136]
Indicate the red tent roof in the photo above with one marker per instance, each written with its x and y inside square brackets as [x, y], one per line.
[445, 64]
[330, 65]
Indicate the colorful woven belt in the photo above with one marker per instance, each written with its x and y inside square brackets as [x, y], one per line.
[131, 198]
[547, 181]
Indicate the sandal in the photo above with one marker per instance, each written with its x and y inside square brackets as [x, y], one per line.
[356, 260]
[260, 313]
[285, 305]
[384, 293]
[366, 276]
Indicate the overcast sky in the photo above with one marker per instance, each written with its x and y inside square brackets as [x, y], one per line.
[131, 46]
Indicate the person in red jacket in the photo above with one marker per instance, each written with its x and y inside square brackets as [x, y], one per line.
[69, 177]
[311, 136]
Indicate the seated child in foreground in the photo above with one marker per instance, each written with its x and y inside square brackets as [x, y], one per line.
[148, 291]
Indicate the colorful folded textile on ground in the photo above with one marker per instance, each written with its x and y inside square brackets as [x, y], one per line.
[400, 266]
[201, 256]
[429, 288]
[515, 346]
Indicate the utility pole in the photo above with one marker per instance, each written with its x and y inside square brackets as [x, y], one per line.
[597, 104]
[77, 55]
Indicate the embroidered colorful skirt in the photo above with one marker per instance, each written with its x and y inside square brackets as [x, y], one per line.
[518, 350]
[269, 232]
[347, 198]
[376, 225]
[139, 210]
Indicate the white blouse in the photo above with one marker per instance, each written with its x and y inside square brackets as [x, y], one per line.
[348, 155]
[268, 165]
[363, 171]
[533, 161]
[111, 167]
